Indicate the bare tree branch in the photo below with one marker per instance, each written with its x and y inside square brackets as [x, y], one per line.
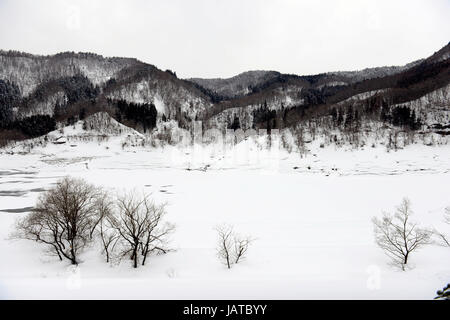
[137, 222]
[232, 247]
[397, 236]
[64, 218]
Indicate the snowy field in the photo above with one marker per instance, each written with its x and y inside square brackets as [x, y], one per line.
[311, 218]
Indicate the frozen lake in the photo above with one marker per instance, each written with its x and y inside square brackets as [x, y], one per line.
[311, 218]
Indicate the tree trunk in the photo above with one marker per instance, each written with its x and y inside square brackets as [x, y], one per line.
[57, 252]
[134, 256]
[73, 260]
[73, 257]
[145, 258]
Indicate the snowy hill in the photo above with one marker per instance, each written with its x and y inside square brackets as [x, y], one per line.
[236, 86]
[66, 85]
[98, 129]
[28, 71]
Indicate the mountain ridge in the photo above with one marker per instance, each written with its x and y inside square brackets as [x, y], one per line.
[67, 85]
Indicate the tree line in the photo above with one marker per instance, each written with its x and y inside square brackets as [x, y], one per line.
[75, 214]
[142, 114]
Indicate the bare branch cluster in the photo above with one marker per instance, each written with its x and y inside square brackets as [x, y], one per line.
[232, 247]
[443, 238]
[398, 236]
[137, 224]
[70, 216]
[64, 218]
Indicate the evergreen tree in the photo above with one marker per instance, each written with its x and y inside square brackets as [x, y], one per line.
[9, 94]
[385, 114]
[236, 123]
[340, 119]
[82, 114]
[349, 117]
[36, 125]
[285, 113]
[118, 116]
[334, 116]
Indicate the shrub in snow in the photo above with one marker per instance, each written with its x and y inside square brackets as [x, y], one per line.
[398, 236]
[444, 239]
[232, 247]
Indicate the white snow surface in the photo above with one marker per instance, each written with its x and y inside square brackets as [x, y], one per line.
[312, 224]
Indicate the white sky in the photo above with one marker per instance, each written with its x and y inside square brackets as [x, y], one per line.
[212, 38]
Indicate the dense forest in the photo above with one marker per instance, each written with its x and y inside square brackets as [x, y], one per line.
[9, 96]
[144, 115]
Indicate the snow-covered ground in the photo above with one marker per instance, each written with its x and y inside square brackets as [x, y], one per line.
[311, 218]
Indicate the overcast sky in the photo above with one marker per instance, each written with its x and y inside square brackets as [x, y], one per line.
[212, 38]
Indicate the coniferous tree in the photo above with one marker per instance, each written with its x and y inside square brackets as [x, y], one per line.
[9, 94]
[236, 123]
[339, 119]
[334, 116]
[82, 114]
[144, 115]
[36, 125]
[349, 118]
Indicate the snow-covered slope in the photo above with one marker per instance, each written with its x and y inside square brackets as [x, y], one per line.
[370, 73]
[236, 86]
[74, 83]
[28, 71]
[97, 129]
[168, 97]
[432, 108]
[44, 82]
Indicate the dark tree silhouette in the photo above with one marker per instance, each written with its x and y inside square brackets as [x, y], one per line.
[140, 114]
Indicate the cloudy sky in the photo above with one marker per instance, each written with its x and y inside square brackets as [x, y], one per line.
[221, 38]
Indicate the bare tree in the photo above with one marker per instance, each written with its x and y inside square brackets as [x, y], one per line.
[225, 245]
[299, 140]
[138, 222]
[63, 218]
[442, 237]
[103, 206]
[107, 234]
[398, 236]
[109, 237]
[241, 245]
[232, 247]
